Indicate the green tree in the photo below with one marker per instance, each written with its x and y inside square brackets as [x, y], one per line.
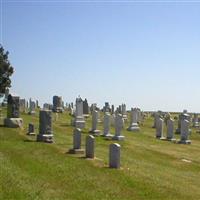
[6, 70]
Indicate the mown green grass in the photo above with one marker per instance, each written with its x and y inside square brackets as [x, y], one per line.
[150, 168]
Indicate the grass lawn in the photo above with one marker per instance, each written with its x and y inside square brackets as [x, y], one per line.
[150, 168]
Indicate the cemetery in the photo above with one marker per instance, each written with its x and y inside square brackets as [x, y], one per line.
[99, 100]
[46, 156]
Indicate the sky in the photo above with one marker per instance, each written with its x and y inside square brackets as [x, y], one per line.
[142, 53]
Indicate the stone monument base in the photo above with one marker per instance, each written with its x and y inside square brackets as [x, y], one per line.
[171, 139]
[13, 122]
[184, 142]
[133, 127]
[31, 134]
[108, 136]
[45, 138]
[76, 151]
[95, 132]
[120, 137]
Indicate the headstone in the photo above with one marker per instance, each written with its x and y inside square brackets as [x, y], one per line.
[182, 116]
[112, 109]
[32, 106]
[156, 117]
[94, 129]
[123, 111]
[170, 130]
[45, 126]
[85, 108]
[90, 145]
[13, 119]
[79, 118]
[114, 155]
[195, 121]
[106, 125]
[22, 103]
[76, 142]
[31, 129]
[134, 120]
[119, 123]
[184, 132]
[159, 128]
[57, 104]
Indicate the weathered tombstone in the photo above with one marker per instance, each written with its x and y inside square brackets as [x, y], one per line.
[106, 125]
[85, 108]
[13, 119]
[170, 130]
[123, 111]
[57, 104]
[89, 147]
[134, 120]
[182, 116]
[79, 118]
[112, 120]
[119, 123]
[159, 128]
[22, 103]
[195, 121]
[114, 155]
[76, 142]
[112, 109]
[184, 132]
[32, 107]
[94, 130]
[45, 126]
[156, 117]
[31, 129]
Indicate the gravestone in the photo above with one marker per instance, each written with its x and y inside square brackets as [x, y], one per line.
[45, 127]
[94, 130]
[85, 108]
[123, 111]
[13, 119]
[170, 130]
[89, 147]
[79, 118]
[159, 128]
[114, 155]
[31, 129]
[106, 126]
[76, 142]
[22, 103]
[134, 120]
[182, 116]
[184, 132]
[112, 109]
[119, 123]
[32, 107]
[57, 104]
[195, 120]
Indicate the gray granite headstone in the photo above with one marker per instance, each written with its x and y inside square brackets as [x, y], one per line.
[114, 155]
[134, 120]
[119, 123]
[13, 119]
[45, 126]
[90, 145]
[57, 104]
[106, 125]
[95, 116]
[170, 129]
[184, 132]
[31, 129]
[159, 128]
[76, 142]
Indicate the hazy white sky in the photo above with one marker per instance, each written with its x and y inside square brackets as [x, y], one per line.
[143, 54]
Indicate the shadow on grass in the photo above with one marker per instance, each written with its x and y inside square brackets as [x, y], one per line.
[27, 140]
